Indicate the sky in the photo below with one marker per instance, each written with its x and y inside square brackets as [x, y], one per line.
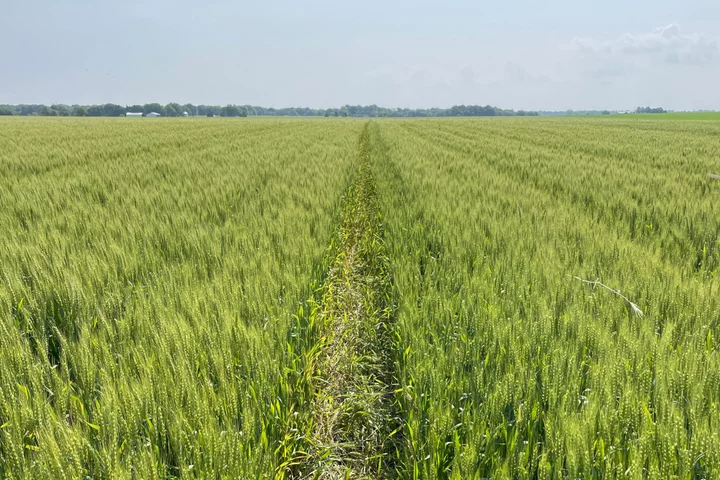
[520, 54]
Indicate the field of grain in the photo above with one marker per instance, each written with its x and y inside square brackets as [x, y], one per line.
[148, 272]
[329, 298]
[512, 368]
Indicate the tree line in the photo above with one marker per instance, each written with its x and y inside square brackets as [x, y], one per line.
[113, 110]
[650, 110]
[567, 113]
[455, 111]
[177, 110]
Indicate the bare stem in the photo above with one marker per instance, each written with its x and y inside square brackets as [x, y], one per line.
[596, 283]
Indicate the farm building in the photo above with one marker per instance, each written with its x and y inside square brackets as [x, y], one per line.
[185, 114]
[153, 114]
[134, 114]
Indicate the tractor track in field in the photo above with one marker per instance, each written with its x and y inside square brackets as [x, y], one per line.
[352, 428]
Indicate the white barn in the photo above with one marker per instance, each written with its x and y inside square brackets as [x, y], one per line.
[185, 114]
[153, 114]
[133, 114]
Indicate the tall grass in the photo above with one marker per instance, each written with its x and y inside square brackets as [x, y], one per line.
[149, 274]
[512, 369]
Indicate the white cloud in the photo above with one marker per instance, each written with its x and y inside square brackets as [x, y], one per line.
[665, 67]
[664, 45]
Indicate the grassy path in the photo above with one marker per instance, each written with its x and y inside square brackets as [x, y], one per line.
[351, 426]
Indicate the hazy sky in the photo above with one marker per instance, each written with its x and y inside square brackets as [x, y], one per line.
[552, 54]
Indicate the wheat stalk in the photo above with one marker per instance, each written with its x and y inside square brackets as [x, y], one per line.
[596, 283]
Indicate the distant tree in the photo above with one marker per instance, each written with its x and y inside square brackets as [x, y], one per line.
[62, 110]
[30, 109]
[112, 110]
[5, 111]
[173, 110]
[153, 107]
[95, 111]
[208, 110]
[80, 112]
[46, 111]
[486, 111]
[650, 110]
[232, 111]
[134, 109]
[190, 108]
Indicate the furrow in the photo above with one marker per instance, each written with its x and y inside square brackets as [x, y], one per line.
[349, 432]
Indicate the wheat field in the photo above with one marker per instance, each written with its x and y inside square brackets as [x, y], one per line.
[532, 298]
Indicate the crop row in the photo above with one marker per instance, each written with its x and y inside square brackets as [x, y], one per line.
[148, 274]
[513, 368]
